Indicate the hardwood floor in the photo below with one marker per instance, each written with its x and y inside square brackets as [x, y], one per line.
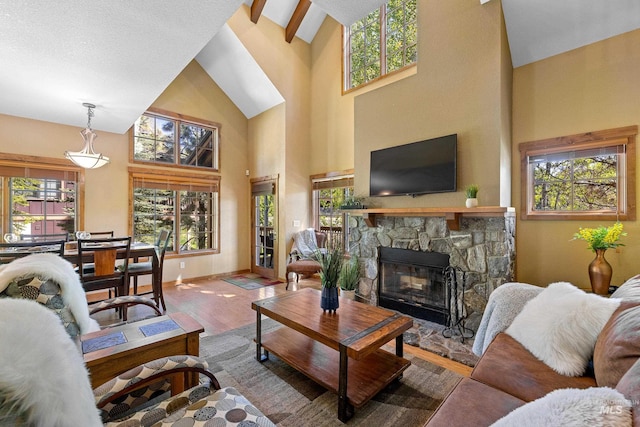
[220, 306]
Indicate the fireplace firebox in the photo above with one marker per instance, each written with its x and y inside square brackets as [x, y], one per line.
[415, 283]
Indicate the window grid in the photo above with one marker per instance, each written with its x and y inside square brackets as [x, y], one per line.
[394, 27]
[166, 140]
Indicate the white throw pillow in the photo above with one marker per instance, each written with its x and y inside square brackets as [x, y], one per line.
[570, 407]
[560, 326]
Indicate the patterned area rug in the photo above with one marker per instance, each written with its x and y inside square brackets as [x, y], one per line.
[289, 398]
[250, 281]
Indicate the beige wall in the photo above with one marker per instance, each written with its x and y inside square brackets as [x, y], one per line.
[587, 89]
[106, 198]
[457, 89]
[194, 93]
[284, 150]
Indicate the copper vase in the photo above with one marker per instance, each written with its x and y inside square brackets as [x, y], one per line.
[600, 272]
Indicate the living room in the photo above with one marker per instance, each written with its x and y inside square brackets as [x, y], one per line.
[467, 86]
[464, 83]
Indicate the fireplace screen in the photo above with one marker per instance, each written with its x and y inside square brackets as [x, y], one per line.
[414, 283]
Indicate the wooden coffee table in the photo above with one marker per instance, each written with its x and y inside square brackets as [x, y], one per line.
[339, 351]
[112, 351]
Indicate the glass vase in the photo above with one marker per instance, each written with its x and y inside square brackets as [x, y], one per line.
[600, 272]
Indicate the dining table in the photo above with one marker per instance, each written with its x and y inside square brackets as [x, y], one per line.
[137, 250]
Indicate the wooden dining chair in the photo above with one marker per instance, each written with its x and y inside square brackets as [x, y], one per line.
[105, 274]
[141, 268]
[12, 251]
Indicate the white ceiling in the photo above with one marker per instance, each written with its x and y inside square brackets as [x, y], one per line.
[121, 54]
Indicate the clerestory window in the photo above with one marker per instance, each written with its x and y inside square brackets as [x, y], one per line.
[383, 42]
[169, 139]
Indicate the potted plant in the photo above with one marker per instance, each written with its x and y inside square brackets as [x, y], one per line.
[350, 277]
[352, 202]
[472, 196]
[330, 267]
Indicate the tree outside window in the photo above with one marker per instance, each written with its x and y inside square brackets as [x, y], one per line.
[584, 176]
[381, 43]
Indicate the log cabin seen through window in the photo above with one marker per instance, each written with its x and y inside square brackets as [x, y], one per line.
[39, 196]
[167, 138]
[585, 176]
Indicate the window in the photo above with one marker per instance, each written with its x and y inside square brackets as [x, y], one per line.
[380, 43]
[185, 204]
[41, 196]
[329, 193]
[584, 176]
[165, 138]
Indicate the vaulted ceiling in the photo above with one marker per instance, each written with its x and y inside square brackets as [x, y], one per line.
[121, 54]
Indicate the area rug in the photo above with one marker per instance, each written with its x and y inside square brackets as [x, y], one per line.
[289, 398]
[250, 281]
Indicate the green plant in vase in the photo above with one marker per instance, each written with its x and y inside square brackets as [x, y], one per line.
[350, 276]
[472, 196]
[330, 267]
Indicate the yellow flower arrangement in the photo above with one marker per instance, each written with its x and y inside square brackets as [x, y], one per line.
[601, 237]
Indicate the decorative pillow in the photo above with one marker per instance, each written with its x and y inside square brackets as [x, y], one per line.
[596, 406]
[560, 326]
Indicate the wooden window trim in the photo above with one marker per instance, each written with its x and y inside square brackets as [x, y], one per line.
[200, 181]
[346, 55]
[26, 162]
[184, 119]
[618, 136]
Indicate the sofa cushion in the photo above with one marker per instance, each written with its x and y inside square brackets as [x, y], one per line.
[597, 406]
[472, 403]
[629, 290]
[629, 385]
[618, 346]
[560, 326]
[510, 367]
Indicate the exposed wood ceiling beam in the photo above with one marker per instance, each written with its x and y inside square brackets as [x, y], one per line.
[296, 19]
[256, 10]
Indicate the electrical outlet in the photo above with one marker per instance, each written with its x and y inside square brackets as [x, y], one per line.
[181, 264]
[296, 223]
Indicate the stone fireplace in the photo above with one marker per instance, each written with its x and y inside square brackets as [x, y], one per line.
[479, 245]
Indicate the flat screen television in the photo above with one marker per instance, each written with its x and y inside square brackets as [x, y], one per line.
[421, 167]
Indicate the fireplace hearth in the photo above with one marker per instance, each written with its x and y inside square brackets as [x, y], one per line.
[479, 255]
[415, 283]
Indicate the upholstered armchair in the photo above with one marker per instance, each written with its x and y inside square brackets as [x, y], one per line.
[305, 244]
[52, 281]
[45, 382]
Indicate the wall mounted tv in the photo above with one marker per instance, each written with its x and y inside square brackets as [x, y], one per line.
[421, 167]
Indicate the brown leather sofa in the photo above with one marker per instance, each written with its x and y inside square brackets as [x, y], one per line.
[508, 376]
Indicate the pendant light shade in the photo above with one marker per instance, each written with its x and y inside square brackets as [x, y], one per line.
[87, 157]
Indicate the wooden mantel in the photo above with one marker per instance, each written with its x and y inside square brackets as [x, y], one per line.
[451, 214]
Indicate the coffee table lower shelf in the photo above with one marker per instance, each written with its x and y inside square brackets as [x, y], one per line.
[366, 377]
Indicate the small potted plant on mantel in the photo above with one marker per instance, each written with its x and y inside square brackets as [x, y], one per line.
[353, 202]
[350, 277]
[472, 196]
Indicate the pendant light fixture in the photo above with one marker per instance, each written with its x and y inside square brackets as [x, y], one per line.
[87, 158]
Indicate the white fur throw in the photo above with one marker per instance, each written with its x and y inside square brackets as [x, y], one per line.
[504, 304]
[42, 373]
[560, 326]
[570, 407]
[54, 267]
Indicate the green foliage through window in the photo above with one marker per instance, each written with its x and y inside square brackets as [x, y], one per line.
[384, 41]
[172, 141]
